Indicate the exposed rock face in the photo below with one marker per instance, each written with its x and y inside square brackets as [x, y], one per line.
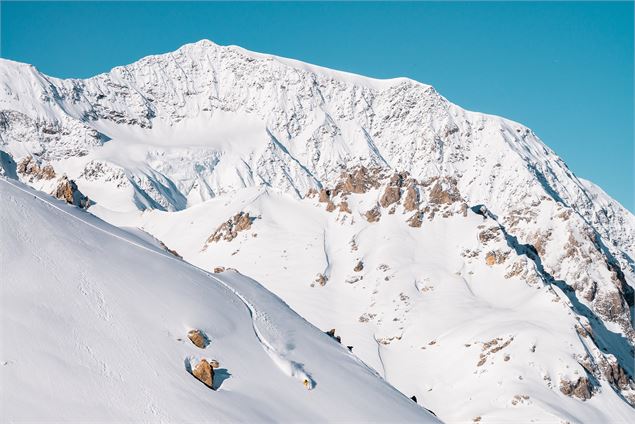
[359, 180]
[441, 192]
[30, 168]
[67, 190]
[411, 202]
[359, 267]
[489, 234]
[198, 338]
[611, 304]
[444, 191]
[171, 251]
[229, 230]
[204, 372]
[325, 196]
[415, 220]
[495, 257]
[391, 195]
[373, 215]
[344, 207]
[464, 209]
[331, 333]
[581, 389]
[614, 373]
[392, 192]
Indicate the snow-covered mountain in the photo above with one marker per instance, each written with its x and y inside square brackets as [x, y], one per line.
[453, 250]
[107, 340]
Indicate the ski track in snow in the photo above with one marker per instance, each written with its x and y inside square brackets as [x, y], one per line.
[286, 365]
[381, 361]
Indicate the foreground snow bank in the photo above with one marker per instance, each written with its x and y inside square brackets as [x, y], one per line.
[95, 323]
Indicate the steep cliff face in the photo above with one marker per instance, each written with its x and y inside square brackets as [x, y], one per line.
[175, 130]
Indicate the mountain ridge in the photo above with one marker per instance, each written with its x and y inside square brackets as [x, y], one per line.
[175, 132]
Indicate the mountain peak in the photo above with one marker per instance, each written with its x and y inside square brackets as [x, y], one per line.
[381, 198]
[206, 49]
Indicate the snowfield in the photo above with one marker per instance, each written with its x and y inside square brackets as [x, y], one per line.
[453, 252]
[95, 326]
[466, 338]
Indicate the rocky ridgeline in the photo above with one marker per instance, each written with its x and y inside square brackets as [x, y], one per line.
[67, 190]
[229, 229]
[105, 173]
[599, 365]
[418, 198]
[572, 252]
[31, 170]
[498, 250]
[429, 198]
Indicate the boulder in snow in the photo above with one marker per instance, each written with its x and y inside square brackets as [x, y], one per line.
[199, 338]
[67, 190]
[204, 372]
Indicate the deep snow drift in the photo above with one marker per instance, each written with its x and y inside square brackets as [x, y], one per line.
[94, 324]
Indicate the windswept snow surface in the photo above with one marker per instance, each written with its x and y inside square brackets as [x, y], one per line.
[94, 325]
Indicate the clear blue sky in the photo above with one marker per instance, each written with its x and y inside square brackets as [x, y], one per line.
[563, 69]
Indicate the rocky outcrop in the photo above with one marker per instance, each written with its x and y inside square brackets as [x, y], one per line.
[373, 214]
[199, 338]
[67, 190]
[581, 388]
[496, 257]
[31, 169]
[321, 279]
[359, 267]
[358, 180]
[411, 202]
[344, 207]
[392, 192]
[325, 196]
[391, 195]
[489, 234]
[170, 251]
[444, 191]
[204, 372]
[614, 373]
[415, 220]
[331, 333]
[442, 194]
[229, 230]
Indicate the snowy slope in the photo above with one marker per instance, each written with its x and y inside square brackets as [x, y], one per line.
[179, 144]
[426, 308]
[94, 328]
